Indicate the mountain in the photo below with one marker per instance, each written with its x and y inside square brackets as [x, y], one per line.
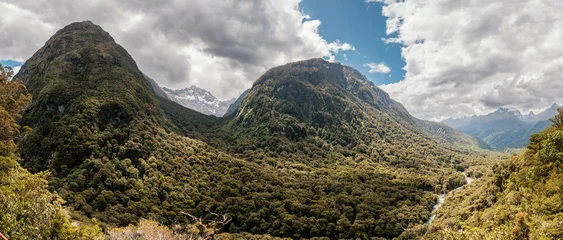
[504, 128]
[315, 149]
[200, 100]
[300, 98]
[99, 129]
[81, 77]
[542, 116]
[452, 136]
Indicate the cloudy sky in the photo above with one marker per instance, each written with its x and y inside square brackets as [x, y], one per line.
[440, 58]
[474, 56]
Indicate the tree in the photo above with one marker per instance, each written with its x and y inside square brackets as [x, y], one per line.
[558, 119]
[520, 231]
[211, 228]
[13, 100]
[28, 209]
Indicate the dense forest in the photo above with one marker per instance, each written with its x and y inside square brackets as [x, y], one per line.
[27, 208]
[315, 150]
[518, 199]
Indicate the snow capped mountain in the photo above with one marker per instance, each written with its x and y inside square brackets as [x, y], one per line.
[199, 100]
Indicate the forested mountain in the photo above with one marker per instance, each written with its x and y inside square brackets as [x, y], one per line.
[314, 150]
[520, 199]
[504, 128]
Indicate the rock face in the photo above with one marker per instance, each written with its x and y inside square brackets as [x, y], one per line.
[504, 128]
[199, 100]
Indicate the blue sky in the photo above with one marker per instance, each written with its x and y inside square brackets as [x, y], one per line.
[363, 26]
[10, 63]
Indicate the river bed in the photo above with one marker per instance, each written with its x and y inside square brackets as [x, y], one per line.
[442, 197]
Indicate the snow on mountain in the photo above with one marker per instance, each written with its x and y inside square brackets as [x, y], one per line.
[199, 100]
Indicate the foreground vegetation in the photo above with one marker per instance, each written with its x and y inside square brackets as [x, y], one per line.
[520, 199]
[27, 208]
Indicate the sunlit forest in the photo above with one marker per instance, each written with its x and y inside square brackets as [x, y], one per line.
[90, 149]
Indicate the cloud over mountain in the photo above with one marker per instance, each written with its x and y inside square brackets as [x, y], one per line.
[470, 57]
[222, 46]
[377, 67]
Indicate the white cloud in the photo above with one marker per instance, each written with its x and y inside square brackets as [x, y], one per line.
[222, 46]
[336, 47]
[466, 57]
[17, 69]
[377, 67]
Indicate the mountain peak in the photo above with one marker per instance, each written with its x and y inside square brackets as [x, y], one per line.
[74, 38]
[314, 93]
[82, 71]
[85, 32]
[79, 25]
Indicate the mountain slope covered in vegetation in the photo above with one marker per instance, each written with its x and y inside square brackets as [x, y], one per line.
[315, 149]
[27, 208]
[519, 199]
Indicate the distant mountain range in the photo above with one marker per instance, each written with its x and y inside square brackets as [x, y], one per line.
[504, 128]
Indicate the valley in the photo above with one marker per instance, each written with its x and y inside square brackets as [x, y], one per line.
[314, 150]
[442, 198]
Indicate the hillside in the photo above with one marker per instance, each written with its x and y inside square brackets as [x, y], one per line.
[27, 208]
[520, 199]
[315, 150]
[235, 106]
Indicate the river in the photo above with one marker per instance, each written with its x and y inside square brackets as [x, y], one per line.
[442, 197]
